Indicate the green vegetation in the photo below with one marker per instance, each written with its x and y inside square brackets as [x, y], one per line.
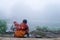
[44, 31]
[3, 27]
[42, 28]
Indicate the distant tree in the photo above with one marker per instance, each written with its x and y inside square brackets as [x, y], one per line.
[3, 25]
[44, 28]
[38, 28]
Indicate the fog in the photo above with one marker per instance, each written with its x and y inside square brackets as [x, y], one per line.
[37, 12]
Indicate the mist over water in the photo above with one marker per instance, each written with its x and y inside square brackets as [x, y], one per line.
[34, 25]
[37, 12]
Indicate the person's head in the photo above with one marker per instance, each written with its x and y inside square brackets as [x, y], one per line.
[25, 21]
[14, 22]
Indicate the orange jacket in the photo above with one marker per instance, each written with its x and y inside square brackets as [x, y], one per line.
[21, 30]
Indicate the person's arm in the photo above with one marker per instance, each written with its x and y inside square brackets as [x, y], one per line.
[27, 31]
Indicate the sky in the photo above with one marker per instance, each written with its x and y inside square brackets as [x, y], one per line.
[35, 11]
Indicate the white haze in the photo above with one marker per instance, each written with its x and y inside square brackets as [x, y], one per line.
[37, 12]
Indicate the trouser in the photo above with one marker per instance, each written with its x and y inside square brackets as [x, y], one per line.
[18, 36]
[21, 37]
[27, 34]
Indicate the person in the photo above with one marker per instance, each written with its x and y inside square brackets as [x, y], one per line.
[21, 29]
[13, 27]
[16, 28]
[24, 26]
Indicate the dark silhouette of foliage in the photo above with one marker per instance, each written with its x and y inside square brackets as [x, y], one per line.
[3, 27]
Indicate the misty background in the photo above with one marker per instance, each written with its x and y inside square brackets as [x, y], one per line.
[37, 12]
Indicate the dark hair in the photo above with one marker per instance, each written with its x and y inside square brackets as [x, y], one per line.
[14, 21]
[24, 21]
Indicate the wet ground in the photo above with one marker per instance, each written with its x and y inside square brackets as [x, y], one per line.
[7, 38]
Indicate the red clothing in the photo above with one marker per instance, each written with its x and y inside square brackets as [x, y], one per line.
[21, 30]
[17, 26]
[24, 27]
